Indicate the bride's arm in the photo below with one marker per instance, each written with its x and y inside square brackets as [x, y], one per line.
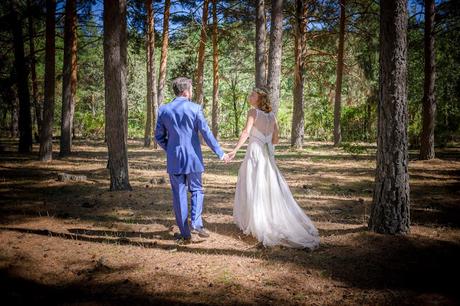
[245, 133]
[275, 137]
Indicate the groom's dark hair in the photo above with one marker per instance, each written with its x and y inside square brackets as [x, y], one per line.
[180, 85]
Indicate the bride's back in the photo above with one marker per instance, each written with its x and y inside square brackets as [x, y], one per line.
[264, 122]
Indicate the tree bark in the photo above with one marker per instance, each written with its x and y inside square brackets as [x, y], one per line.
[215, 70]
[370, 100]
[116, 106]
[14, 113]
[151, 76]
[429, 100]
[25, 127]
[37, 105]
[390, 210]
[69, 77]
[338, 83]
[164, 53]
[274, 57]
[201, 50]
[235, 112]
[46, 136]
[297, 131]
[261, 33]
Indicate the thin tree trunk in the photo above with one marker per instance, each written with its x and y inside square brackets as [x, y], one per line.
[429, 100]
[390, 210]
[236, 115]
[46, 136]
[215, 69]
[201, 50]
[338, 83]
[25, 127]
[261, 33]
[151, 78]
[233, 84]
[297, 131]
[164, 53]
[14, 114]
[116, 106]
[33, 71]
[367, 119]
[274, 57]
[69, 77]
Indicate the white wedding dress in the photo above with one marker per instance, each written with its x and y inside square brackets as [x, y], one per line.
[264, 206]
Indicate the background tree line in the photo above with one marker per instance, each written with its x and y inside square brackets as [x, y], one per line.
[333, 37]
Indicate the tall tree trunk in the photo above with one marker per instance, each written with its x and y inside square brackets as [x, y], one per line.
[116, 103]
[370, 100]
[201, 49]
[274, 57]
[261, 33]
[46, 136]
[25, 127]
[215, 70]
[338, 83]
[390, 210]
[69, 77]
[14, 113]
[297, 131]
[235, 111]
[151, 76]
[164, 53]
[429, 101]
[33, 71]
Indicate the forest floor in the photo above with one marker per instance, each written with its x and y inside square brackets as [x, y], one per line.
[77, 243]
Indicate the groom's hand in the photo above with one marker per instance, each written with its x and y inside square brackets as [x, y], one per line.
[225, 158]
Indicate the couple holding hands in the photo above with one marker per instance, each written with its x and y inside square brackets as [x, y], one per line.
[263, 205]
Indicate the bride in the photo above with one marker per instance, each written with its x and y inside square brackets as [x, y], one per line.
[264, 206]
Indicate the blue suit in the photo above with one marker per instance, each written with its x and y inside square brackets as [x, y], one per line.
[176, 132]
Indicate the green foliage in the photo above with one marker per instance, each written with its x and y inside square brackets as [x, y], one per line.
[236, 69]
[357, 123]
[353, 148]
[89, 125]
[447, 87]
[319, 122]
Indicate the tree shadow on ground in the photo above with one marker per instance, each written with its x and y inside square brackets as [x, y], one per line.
[18, 290]
[393, 262]
[163, 235]
[367, 261]
[373, 261]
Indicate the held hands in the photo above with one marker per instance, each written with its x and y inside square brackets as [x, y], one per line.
[225, 159]
[228, 157]
[231, 155]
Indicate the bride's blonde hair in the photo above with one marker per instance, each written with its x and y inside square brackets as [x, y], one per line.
[264, 100]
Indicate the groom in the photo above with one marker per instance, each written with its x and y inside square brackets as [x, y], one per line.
[177, 133]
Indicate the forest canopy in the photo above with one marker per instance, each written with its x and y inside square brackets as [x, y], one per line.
[236, 34]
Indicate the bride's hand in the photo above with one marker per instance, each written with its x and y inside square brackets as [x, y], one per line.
[231, 155]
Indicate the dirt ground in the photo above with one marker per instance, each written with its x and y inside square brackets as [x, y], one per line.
[77, 243]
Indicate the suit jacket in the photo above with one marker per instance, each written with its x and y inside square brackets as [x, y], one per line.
[176, 132]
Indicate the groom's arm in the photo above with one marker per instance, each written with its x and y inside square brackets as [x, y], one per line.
[161, 134]
[202, 126]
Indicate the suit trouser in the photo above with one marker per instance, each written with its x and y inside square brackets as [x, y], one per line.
[179, 185]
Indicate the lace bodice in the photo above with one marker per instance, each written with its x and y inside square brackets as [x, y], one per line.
[264, 126]
[262, 129]
[264, 122]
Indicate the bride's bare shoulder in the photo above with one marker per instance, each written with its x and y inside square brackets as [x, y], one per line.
[252, 112]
